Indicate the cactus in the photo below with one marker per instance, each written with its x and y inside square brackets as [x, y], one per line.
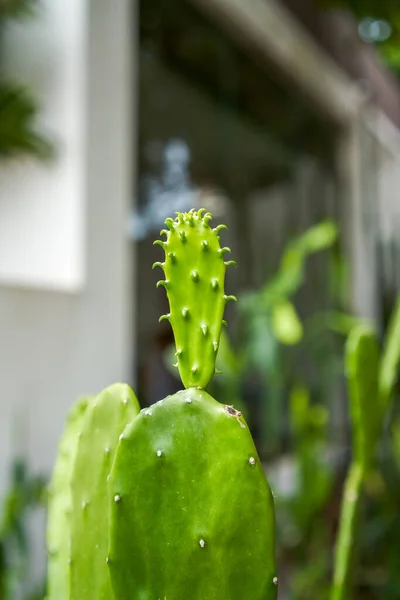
[104, 422]
[362, 369]
[173, 502]
[192, 513]
[60, 506]
[194, 271]
[371, 380]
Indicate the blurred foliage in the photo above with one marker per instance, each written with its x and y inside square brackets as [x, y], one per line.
[272, 339]
[26, 493]
[16, 8]
[302, 525]
[18, 109]
[386, 10]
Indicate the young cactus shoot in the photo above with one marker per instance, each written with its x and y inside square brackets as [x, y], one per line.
[194, 269]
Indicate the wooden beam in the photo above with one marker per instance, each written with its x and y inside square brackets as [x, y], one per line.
[268, 32]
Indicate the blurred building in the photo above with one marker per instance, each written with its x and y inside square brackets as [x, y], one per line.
[280, 116]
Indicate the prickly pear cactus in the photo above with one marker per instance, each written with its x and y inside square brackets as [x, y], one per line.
[194, 270]
[60, 506]
[104, 422]
[192, 514]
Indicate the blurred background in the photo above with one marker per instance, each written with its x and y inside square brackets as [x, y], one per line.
[280, 117]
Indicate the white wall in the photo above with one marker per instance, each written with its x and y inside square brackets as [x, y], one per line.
[42, 208]
[54, 345]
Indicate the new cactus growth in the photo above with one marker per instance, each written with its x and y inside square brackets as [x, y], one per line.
[194, 271]
[193, 514]
[60, 506]
[105, 419]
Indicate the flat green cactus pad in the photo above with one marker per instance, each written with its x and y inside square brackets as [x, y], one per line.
[105, 420]
[192, 514]
[60, 506]
[194, 270]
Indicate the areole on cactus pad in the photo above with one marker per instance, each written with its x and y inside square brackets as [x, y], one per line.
[179, 503]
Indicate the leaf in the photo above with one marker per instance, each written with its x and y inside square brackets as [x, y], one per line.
[286, 324]
[390, 362]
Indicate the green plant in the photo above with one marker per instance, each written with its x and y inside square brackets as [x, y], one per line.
[26, 493]
[19, 134]
[172, 502]
[371, 379]
[60, 505]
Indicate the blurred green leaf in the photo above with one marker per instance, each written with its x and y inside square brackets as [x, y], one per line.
[286, 323]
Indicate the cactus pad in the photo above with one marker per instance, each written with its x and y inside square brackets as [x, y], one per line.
[192, 513]
[60, 506]
[105, 420]
[194, 271]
